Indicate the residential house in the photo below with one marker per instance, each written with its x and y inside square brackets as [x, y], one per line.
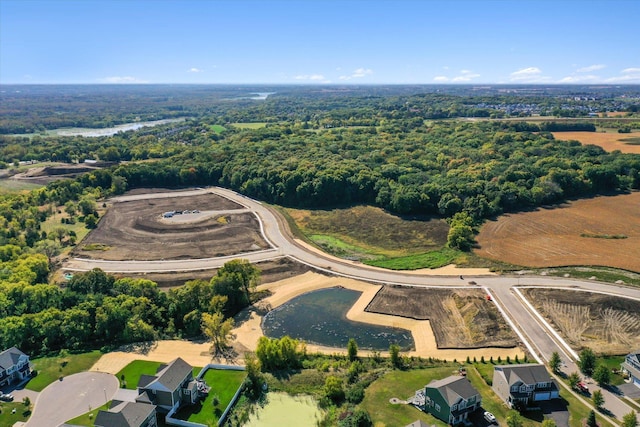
[14, 366]
[631, 366]
[172, 386]
[127, 414]
[524, 384]
[451, 399]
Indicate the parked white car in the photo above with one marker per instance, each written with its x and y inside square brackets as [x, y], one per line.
[490, 417]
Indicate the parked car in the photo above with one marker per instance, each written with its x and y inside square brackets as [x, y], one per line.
[6, 397]
[490, 418]
[582, 387]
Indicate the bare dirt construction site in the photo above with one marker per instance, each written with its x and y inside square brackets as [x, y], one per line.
[603, 231]
[609, 141]
[460, 318]
[137, 230]
[270, 271]
[605, 323]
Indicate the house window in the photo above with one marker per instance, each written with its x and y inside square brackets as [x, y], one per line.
[454, 407]
[437, 407]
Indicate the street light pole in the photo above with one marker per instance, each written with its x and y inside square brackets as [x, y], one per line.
[105, 395]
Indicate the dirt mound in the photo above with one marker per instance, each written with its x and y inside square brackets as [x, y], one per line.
[460, 318]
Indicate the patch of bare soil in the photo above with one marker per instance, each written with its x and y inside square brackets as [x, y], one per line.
[270, 271]
[460, 318]
[135, 230]
[608, 141]
[607, 324]
[603, 231]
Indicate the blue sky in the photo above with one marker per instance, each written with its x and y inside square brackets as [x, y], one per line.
[312, 41]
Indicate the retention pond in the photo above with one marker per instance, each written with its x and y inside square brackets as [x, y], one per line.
[319, 317]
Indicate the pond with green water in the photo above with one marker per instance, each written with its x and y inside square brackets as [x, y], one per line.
[320, 317]
[282, 410]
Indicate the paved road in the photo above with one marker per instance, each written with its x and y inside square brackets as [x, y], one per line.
[540, 338]
[73, 396]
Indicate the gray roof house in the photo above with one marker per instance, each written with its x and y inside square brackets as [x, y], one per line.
[524, 384]
[451, 399]
[14, 366]
[172, 385]
[127, 414]
[631, 366]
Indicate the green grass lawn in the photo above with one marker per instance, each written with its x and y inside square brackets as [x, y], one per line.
[217, 128]
[224, 385]
[51, 368]
[612, 362]
[14, 186]
[433, 259]
[7, 419]
[256, 125]
[88, 418]
[400, 384]
[134, 370]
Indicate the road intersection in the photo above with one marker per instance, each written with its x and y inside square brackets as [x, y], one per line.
[539, 337]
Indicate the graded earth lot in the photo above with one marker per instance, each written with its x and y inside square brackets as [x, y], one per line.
[609, 141]
[602, 231]
[605, 323]
[136, 230]
[460, 318]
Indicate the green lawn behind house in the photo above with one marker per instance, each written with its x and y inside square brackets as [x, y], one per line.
[224, 385]
[51, 369]
[134, 370]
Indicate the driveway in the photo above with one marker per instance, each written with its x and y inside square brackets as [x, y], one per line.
[73, 396]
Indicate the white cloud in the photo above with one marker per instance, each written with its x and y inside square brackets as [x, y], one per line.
[195, 70]
[121, 80]
[529, 75]
[591, 68]
[312, 78]
[526, 72]
[467, 76]
[464, 76]
[579, 79]
[357, 74]
[628, 75]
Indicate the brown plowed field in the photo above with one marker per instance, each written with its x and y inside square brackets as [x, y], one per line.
[460, 318]
[608, 324]
[555, 237]
[135, 230]
[608, 141]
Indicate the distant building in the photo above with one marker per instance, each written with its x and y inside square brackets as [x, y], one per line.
[14, 366]
[451, 399]
[127, 414]
[524, 384]
[631, 366]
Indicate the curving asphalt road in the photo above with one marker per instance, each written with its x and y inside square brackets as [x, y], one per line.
[537, 336]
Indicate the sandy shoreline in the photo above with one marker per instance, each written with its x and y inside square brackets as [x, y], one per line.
[248, 330]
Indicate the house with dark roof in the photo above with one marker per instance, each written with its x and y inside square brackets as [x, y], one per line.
[451, 399]
[524, 384]
[631, 367]
[171, 386]
[127, 414]
[14, 366]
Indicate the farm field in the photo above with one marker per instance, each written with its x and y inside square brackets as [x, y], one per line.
[128, 226]
[603, 231]
[460, 318]
[606, 140]
[605, 323]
